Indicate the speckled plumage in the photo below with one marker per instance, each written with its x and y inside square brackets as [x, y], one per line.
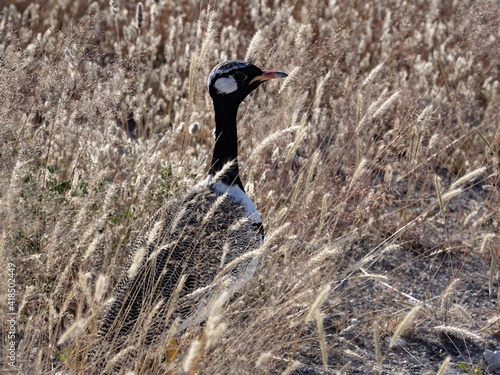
[197, 235]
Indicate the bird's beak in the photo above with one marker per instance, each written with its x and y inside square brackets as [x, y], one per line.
[267, 74]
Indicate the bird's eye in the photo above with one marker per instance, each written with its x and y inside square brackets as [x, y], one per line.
[239, 76]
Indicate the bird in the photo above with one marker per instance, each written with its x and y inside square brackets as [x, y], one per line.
[198, 244]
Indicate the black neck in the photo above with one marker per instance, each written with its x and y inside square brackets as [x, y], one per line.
[226, 144]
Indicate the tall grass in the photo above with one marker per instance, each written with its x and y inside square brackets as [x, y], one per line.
[383, 143]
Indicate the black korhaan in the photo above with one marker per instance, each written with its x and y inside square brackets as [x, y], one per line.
[179, 262]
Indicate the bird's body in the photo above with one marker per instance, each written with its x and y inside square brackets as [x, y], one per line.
[200, 243]
[183, 238]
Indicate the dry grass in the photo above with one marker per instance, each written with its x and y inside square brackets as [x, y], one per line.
[384, 141]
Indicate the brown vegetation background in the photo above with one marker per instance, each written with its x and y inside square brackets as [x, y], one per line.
[374, 165]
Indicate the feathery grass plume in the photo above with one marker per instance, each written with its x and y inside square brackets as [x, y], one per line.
[213, 329]
[250, 254]
[424, 119]
[226, 167]
[433, 141]
[225, 250]
[82, 281]
[450, 194]
[215, 334]
[372, 74]
[250, 188]
[69, 298]
[484, 218]
[192, 69]
[271, 138]
[52, 317]
[448, 291]
[300, 33]
[353, 354]
[320, 257]
[296, 111]
[291, 368]
[376, 338]
[462, 310]
[209, 32]
[287, 80]
[63, 276]
[369, 111]
[374, 277]
[440, 198]
[489, 188]
[368, 258]
[483, 250]
[254, 44]
[311, 170]
[323, 212]
[146, 324]
[358, 112]
[443, 366]
[300, 134]
[8, 197]
[122, 353]
[404, 323]
[196, 60]
[318, 302]
[192, 355]
[100, 287]
[296, 190]
[176, 220]
[210, 213]
[470, 217]
[386, 104]
[263, 359]
[26, 296]
[455, 331]
[320, 90]
[490, 322]
[322, 339]
[70, 332]
[359, 170]
[344, 369]
[137, 262]
[92, 246]
[139, 16]
[238, 224]
[469, 176]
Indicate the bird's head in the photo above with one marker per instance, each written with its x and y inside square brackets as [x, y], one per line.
[232, 81]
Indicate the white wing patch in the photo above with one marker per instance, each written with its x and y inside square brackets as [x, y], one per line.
[238, 195]
[205, 182]
[226, 85]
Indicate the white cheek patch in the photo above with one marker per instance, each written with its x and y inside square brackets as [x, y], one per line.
[226, 85]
